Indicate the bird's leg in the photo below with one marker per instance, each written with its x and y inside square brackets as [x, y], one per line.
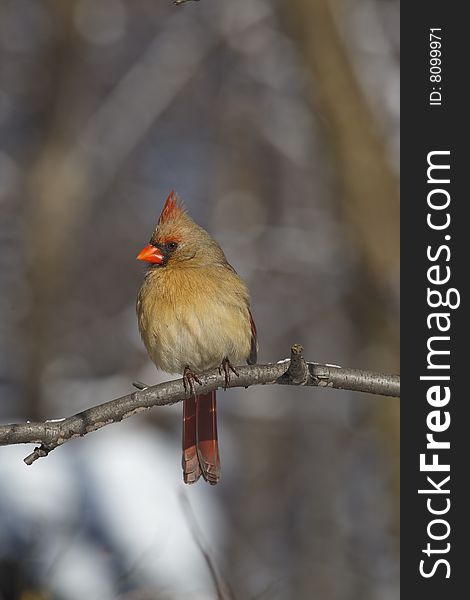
[226, 366]
[189, 377]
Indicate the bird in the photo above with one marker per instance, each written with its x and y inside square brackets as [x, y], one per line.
[193, 313]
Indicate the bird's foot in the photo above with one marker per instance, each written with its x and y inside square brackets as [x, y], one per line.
[189, 377]
[226, 366]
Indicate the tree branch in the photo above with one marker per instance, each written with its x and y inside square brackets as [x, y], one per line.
[293, 371]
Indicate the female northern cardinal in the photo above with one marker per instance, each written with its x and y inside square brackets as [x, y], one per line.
[194, 314]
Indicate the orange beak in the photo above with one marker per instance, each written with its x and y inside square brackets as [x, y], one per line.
[151, 254]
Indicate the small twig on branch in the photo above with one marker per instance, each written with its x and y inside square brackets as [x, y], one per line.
[293, 371]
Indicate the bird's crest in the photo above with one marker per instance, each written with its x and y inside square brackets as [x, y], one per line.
[173, 208]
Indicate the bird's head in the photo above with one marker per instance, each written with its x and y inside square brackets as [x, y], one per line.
[178, 241]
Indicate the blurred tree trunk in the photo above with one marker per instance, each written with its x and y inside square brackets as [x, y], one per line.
[368, 203]
[52, 211]
[369, 188]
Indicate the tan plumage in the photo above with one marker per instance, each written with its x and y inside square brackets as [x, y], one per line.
[194, 316]
[193, 313]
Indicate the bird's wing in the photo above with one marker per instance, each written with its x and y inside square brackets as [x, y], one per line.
[251, 360]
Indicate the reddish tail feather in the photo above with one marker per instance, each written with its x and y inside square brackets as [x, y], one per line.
[200, 445]
[191, 469]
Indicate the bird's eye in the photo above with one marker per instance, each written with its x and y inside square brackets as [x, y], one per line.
[172, 245]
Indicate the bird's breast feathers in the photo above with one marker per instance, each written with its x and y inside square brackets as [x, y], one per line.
[194, 317]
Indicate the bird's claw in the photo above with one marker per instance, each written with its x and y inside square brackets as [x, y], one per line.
[139, 385]
[226, 366]
[189, 377]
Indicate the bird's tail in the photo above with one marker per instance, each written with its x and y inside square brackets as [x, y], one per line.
[200, 445]
[191, 469]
